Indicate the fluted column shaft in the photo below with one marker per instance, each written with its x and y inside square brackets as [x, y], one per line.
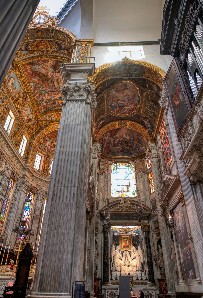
[62, 251]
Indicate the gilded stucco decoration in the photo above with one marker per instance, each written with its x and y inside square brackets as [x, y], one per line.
[123, 141]
[32, 87]
[128, 69]
[126, 205]
[128, 110]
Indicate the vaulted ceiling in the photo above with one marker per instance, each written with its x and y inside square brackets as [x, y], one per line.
[128, 92]
[128, 112]
[32, 87]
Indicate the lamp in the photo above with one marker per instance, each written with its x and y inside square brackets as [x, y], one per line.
[171, 220]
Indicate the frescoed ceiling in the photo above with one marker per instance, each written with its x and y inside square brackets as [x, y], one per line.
[32, 87]
[128, 111]
[128, 92]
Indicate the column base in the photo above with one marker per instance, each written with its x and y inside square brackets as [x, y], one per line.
[49, 295]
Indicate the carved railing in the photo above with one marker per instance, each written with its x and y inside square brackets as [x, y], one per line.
[82, 51]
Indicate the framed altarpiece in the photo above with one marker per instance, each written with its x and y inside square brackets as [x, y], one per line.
[178, 94]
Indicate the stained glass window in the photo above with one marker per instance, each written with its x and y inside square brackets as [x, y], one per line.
[25, 223]
[5, 206]
[123, 182]
[165, 144]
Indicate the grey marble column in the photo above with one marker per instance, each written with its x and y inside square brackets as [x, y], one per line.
[15, 16]
[61, 259]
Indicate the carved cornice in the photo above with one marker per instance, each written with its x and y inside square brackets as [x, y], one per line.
[127, 205]
[18, 164]
[79, 92]
[170, 185]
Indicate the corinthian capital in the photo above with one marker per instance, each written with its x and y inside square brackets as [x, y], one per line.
[79, 92]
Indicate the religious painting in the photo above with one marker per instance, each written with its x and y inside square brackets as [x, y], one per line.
[122, 98]
[46, 81]
[178, 100]
[125, 242]
[123, 142]
[126, 251]
[184, 245]
[13, 83]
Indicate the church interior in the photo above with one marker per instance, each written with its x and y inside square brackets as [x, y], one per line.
[101, 148]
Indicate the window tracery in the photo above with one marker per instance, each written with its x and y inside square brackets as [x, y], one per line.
[123, 183]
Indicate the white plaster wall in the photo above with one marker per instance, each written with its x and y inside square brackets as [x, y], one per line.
[129, 20]
[152, 55]
[72, 21]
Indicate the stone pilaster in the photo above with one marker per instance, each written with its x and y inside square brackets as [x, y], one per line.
[195, 228]
[149, 254]
[61, 259]
[15, 211]
[165, 237]
[37, 218]
[106, 257]
[95, 153]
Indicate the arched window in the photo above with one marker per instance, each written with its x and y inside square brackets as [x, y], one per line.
[25, 223]
[123, 183]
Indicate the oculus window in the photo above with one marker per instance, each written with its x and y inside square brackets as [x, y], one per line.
[123, 182]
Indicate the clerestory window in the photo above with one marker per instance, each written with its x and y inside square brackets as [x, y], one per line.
[9, 122]
[123, 183]
[23, 146]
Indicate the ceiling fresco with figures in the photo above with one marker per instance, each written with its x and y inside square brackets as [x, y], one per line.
[128, 92]
[123, 142]
[128, 112]
[32, 87]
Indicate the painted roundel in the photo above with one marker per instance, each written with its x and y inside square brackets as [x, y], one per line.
[123, 142]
